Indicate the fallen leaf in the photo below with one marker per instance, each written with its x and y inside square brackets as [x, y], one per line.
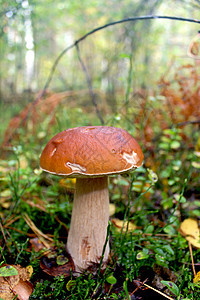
[119, 224]
[190, 230]
[23, 289]
[36, 244]
[15, 285]
[68, 183]
[52, 268]
[197, 278]
[196, 165]
[52, 263]
[61, 260]
[8, 271]
[111, 209]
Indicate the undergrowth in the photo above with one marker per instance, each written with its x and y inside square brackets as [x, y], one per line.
[154, 199]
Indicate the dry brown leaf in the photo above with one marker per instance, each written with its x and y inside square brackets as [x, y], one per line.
[23, 289]
[37, 244]
[10, 286]
[50, 263]
[56, 270]
[50, 260]
[190, 230]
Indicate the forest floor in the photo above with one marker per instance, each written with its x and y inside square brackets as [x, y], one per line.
[154, 211]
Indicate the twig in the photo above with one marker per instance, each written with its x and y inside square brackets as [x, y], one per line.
[159, 292]
[131, 19]
[137, 288]
[187, 122]
[62, 223]
[192, 259]
[31, 235]
[11, 220]
[43, 237]
[1, 227]
[89, 85]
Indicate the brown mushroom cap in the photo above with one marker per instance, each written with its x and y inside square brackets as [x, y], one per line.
[91, 151]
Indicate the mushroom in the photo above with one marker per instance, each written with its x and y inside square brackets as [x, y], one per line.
[90, 154]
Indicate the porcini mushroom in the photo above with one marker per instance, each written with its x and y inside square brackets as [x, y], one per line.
[90, 154]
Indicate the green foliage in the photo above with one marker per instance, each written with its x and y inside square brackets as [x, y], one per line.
[8, 271]
[172, 287]
[156, 197]
[50, 290]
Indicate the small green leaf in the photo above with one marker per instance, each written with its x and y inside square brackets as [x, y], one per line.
[8, 271]
[197, 203]
[171, 286]
[149, 229]
[122, 181]
[159, 251]
[165, 139]
[169, 131]
[180, 198]
[143, 254]
[70, 284]
[169, 229]
[168, 249]
[161, 260]
[196, 212]
[152, 176]
[165, 173]
[61, 260]
[175, 144]
[171, 181]
[111, 279]
[164, 146]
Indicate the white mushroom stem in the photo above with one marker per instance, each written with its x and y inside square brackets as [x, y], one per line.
[89, 221]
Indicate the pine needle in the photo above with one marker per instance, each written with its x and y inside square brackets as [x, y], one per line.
[164, 295]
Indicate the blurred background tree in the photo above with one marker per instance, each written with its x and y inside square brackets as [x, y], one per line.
[33, 33]
[125, 63]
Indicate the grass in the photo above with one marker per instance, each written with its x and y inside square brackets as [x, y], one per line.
[155, 198]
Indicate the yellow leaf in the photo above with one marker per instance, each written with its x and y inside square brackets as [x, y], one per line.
[119, 223]
[68, 183]
[6, 193]
[197, 278]
[111, 209]
[29, 270]
[41, 134]
[23, 162]
[190, 230]
[196, 165]
[197, 153]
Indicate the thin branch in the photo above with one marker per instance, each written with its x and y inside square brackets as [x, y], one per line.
[186, 123]
[1, 227]
[192, 258]
[159, 292]
[131, 19]
[89, 82]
